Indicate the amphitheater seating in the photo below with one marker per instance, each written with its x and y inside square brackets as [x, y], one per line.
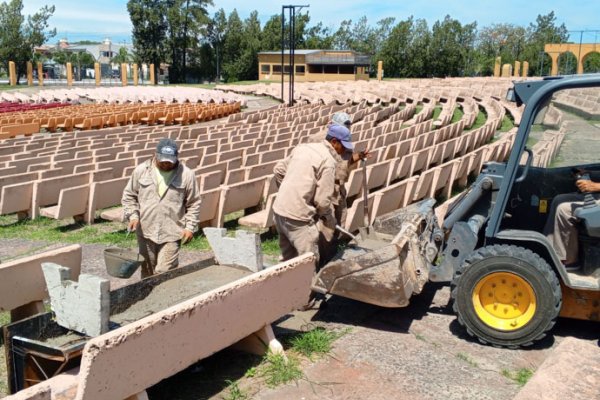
[83, 173]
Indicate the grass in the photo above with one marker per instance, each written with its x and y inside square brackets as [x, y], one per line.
[418, 108]
[270, 246]
[4, 318]
[234, 391]
[279, 370]
[436, 112]
[479, 121]
[317, 341]
[458, 115]
[103, 232]
[521, 376]
[467, 358]
[507, 124]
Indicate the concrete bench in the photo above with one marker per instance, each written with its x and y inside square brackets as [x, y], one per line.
[261, 219]
[243, 195]
[236, 313]
[103, 195]
[22, 283]
[393, 197]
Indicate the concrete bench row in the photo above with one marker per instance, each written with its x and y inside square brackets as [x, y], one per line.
[239, 312]
[85, 117]
[127, 94]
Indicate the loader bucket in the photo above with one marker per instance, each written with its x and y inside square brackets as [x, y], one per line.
[381, 269]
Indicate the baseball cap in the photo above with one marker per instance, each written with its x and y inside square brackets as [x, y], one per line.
[342, 134]
[167, 150]
[341, 118]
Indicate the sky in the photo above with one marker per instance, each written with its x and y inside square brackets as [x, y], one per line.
[96, 20]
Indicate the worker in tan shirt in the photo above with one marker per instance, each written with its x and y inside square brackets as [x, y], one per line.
[306, 188]
[345, 163]
[162, 204]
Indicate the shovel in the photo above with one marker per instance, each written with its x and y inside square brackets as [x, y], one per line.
[366, 232]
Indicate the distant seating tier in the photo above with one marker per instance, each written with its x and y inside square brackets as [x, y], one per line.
[98, 116]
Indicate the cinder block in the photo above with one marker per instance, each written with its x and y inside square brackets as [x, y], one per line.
[243, 250]
[82, 306]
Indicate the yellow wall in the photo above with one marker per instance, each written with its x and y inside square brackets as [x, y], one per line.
[300, 61]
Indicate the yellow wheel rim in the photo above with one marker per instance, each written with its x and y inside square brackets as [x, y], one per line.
[504, 301]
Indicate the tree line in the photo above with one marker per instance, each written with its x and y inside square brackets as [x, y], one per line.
[198, 47]
[226, 46]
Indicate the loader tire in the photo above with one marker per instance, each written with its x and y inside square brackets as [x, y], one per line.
[506, 296]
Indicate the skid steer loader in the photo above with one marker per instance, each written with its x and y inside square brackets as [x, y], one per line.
[508, 284]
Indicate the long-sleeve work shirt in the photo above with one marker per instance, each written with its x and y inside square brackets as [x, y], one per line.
[162, 218]
[306, 181]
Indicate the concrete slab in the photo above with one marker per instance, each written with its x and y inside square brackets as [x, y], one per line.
[243, 250]
[572, 371]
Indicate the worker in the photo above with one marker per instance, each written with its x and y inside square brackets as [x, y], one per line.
[560, 228]
[345, 163]
[162, 204]
[306, 189]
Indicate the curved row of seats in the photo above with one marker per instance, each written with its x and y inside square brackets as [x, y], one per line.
[79, 174]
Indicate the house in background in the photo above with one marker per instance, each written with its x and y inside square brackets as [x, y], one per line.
[315, 65]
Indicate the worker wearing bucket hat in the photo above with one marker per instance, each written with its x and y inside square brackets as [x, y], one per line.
[162, 204]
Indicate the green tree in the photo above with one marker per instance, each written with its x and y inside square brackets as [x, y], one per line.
[122, 57]
[543, 31]
[507, 41]
[232, 47]
[591, 63]
[452, 46]
[148, 18]
[19, 35]
[186, 20]
[396, 48]
[216, 30]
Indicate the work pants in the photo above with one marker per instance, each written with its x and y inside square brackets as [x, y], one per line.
[561, 228]
[296, 237]
[158, 258]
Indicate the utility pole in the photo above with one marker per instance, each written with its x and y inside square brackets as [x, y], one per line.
[292, 48]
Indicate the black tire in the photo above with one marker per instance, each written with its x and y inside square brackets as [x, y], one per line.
[529, 271]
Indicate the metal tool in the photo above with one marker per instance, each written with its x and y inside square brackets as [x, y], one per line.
[345, 232]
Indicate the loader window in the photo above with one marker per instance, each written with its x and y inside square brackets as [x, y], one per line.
[566, 132]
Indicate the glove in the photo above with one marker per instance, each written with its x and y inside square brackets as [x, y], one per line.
[329, 221]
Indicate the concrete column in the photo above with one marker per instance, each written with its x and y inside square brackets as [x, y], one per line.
[525, 72]
[554, 70]
[12, 73]
[29, 73]
[40, 69]
[497, 67]
[97, 74]
[517, 70]
[379, 70]
[152, 77]
[506, 71]
[124, 74]
[135, 74]
[580, 65]
[69, 74]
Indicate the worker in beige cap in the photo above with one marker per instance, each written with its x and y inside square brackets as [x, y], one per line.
[306, 181]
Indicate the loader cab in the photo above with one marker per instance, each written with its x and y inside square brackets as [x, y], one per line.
[556, 144]
[509, 284]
